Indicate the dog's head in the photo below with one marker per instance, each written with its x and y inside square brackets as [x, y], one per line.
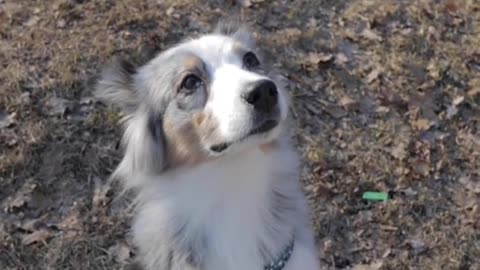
[195, 102]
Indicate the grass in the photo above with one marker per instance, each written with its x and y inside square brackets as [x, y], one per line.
[385, 98]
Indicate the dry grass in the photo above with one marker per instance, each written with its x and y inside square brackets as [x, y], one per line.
[386, 97]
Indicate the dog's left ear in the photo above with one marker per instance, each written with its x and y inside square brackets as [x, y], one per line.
[236, 30]
[115, 86]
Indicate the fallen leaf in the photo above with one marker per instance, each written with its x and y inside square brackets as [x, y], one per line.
[422, 124]
[120, 252]
[474, 87]
[434, 69]
[387, 253]
[458, 100]
[421, 167]
[341, 58]
[32, 21]
[373, 266]
[322, 58]
[408, 192]
[373, 75]
[348, 103]
[100, 193]
[30, 225]
[399, 151]
[452, 109]
[451, 7]
[371, 35]
[10, 137]
[382, 109]
[244, 3]
[290, 32]
[417, 246]
[170, 11]
[57, 106]
[22, 197]
[473, 92]
[469, 184]
[388, 228]
[18, 202]
[40, 236]
[313, 60]
[333, 110]
[71, 222]
[61, 23]
[25, 98]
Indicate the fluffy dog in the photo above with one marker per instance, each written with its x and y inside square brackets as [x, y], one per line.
[208, 156]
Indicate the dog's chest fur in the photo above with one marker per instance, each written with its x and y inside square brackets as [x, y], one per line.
[236, 213]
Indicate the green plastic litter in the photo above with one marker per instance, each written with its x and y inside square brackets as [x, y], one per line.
[375, 196]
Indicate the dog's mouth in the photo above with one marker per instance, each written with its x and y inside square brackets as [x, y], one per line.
[263, 128]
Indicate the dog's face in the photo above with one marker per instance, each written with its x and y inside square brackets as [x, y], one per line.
[198, 101]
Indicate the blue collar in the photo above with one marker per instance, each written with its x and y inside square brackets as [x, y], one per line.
[282, 260]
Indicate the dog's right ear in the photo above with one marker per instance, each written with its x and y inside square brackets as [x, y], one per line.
[116, 87]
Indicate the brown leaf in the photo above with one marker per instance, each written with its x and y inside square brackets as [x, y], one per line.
[71, 222]
[469, 184]
[399, 151]
[348, 103]
[451, 7]
[373, 75]
[18, 202]
[473, 92]
[40, 236]
[31, 225]
[120, 252]
[474, 87]
[452, 110]
[22, 197]
[334, 111]
[373, 266]
[57, 106]
[32, 21]
[417, 246]
[290, 32]
[458, 100]
[61, 23]
[100, 193]
[371, 35]
[341, 58]
[421, 167]
[313, 60]
[244, 3]
[421, 124]
[322, 58]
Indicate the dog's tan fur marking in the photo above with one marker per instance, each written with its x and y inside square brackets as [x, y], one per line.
[184, 142]
[267, 147]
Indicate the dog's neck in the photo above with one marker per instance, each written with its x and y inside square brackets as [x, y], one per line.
[233, 213]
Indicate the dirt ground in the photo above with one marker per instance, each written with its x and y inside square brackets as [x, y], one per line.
[386, 97]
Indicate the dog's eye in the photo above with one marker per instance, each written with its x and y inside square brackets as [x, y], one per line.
[190, 84]
[250, 61]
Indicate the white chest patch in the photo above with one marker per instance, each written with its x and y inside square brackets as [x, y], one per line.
[224, 209]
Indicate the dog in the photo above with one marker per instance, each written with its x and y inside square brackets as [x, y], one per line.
[208, 156]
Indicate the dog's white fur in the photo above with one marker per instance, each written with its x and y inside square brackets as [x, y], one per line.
[235, 210]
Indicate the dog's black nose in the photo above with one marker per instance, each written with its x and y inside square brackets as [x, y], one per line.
[263, 96]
